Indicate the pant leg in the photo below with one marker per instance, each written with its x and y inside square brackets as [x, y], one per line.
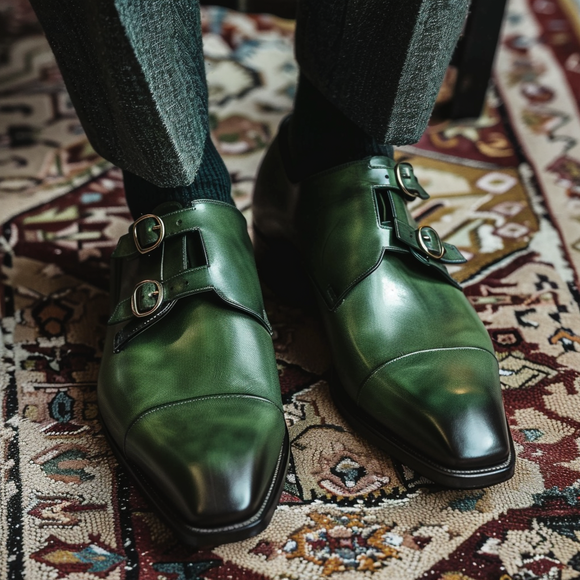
[381, 62]
[136, 76]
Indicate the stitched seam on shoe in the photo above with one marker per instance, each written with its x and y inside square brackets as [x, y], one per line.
[241, 524]
[337, 168]
[187, 402]
[146, 323]
[498, 467]
[394, 360]
[119, 306]
[256, 315]
[203, 202]
[338, 301]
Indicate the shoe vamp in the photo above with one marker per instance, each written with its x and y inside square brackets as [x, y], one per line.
[200, 348]
[400, 308]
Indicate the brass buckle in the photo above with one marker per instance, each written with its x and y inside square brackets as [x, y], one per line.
[424, 245]
[160, 226]
[158, 292]
[400, 180]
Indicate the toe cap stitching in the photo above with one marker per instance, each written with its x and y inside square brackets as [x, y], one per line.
[187, 402]
[394, 360]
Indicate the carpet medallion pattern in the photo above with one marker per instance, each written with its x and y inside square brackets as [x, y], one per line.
[505, 189]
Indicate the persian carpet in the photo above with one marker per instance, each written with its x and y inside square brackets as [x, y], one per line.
[505, 189]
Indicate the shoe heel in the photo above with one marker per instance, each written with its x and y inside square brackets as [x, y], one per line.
[281, 270]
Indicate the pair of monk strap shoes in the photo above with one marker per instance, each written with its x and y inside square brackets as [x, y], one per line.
[188, 389]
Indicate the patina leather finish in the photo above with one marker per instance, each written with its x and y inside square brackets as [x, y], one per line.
[414, 367]
[189, 392]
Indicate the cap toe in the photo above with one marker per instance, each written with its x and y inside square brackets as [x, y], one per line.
[445, 403]
[212, 459]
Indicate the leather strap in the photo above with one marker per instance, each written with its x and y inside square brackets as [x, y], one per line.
[403, 176]
[343, 218]
[144, 230]
[154, 255]
[423, 240]
[144, 298]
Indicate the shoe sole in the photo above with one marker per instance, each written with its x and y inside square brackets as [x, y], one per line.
[282, 270]
[212, 536]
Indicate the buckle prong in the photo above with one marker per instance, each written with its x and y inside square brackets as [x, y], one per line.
[158, 226]
[422, 237]
[157, 292]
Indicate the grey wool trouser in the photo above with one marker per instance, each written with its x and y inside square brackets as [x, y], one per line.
[135, 72]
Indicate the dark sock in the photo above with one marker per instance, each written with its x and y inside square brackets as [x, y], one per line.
[211, 182]
[320, 136]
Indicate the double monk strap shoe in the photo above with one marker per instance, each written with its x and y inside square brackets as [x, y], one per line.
[413, 366]
[188, 388]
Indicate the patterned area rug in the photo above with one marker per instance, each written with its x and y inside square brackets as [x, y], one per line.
[505, 189]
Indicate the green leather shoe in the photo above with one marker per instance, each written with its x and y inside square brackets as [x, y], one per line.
[414, 368]
[188, 388]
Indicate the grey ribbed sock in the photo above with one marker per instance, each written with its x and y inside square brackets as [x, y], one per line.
[211, 182]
